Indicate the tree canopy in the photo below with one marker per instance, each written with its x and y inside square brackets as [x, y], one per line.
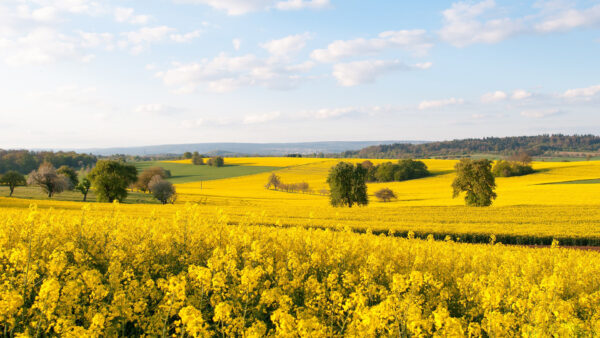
[476, 179]
[347, 183]
[12, 179]
[48, 179]
[110, 179]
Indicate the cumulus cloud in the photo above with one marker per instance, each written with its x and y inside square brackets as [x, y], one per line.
[239, 7]
[138, 40]
[412, 40]
[463, 24]
[123, 14]
[225, 73]
[237, 44]
[520, 94]
[440, 103]
[302, 4]
[570, 18]
[261, 118]
[361, 72]
[287, 46]
[586, 92]
[42, 46]
[494, 97]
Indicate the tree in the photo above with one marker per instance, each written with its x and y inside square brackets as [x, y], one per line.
[69, 173]
[521, 156]
[84, 187]
[508, 169]
[148, 174]
[385, 194]
[163, 190]
[476, 179]
[110, 179]
[216, 161]
[187, 155]
[274, 181]
[12, 179]
[347, 184]
[197, 159]
[48, 179]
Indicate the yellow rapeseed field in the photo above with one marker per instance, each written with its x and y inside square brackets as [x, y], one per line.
[233, 258]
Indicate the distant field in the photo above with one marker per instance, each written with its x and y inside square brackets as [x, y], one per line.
[185, 173]
[593, 181]
[35, 193]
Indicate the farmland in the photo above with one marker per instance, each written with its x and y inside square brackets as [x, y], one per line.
[234, 258]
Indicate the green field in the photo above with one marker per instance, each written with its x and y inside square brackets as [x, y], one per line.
[32, 192]
[185, 173]
[595, 181]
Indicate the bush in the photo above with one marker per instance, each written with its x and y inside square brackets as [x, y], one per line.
[216, 161]
[145, 177]
[385, 194]
[508, 169]
[402, 171]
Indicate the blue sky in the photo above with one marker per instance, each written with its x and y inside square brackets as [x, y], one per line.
[92, 73]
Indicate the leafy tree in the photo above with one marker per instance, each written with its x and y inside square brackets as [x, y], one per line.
[146, 175]
[12, 179]
[385, 194]
[187, 155]
[69, 173]
[163, 190]
[197, 159]
[110, 179]
[216, 161]
[410, 169]
[84, 187]
[48, 179]
[348, 185]
[476, 179]
[274, 181]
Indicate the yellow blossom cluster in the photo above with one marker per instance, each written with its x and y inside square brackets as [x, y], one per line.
[116, 272]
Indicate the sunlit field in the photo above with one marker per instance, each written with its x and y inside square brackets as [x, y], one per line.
[232, 258]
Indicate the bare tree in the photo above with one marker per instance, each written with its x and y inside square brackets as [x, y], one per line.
[47, 179]
[274, 181]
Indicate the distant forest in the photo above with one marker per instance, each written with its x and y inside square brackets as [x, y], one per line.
[25, 161]
[542, 145]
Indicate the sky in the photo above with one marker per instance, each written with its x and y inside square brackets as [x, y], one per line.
[108, 73]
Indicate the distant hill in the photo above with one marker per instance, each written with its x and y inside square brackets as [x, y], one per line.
[546, 145]
[263, 149]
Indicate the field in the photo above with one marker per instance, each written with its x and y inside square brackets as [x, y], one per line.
[233, 258]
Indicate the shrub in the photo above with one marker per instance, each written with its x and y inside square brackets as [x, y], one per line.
[385, 194]
[164, 191]
[508, 169]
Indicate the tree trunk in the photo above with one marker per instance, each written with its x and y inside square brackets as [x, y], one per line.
[12, 189]
[84, 197]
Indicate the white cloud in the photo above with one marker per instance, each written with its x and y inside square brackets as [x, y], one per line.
[156, 109]
[493, 97]
[412, 40]
[286, 46]
[96, 40]
[137, 41]
[302, 4]
[439, 103]
[537, 114]
[521, 94]
[587, 92]
[123, 14]
[237, 44]
[232, 7]
[463, 26]
[329, 113]
[224, 73]
[361, 72]
[569, 18]
[41, 46]
[187, 37]
[424, 65]
[261, 118]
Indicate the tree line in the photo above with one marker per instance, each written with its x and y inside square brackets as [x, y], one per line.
[25, 161]
[533, 145]
[110, 180]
